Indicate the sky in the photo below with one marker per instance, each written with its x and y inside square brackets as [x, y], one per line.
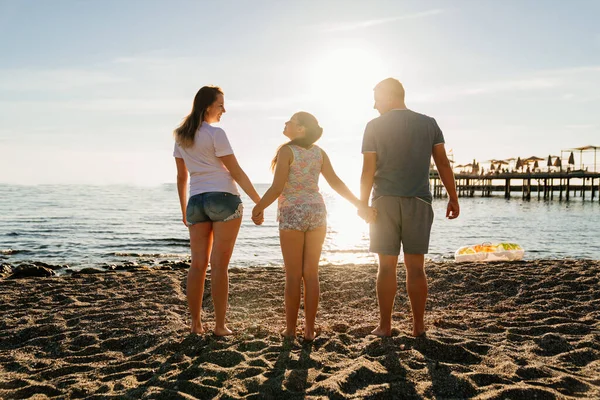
[90, 91]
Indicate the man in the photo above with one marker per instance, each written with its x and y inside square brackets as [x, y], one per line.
[397, 150]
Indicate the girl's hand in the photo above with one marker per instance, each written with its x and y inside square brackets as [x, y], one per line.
[184, 219]
[258, 216]
[369, 214]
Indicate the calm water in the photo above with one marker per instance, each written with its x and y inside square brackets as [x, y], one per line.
[90, 225]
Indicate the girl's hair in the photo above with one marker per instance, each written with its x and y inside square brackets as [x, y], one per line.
[185, 133]
[312, 133]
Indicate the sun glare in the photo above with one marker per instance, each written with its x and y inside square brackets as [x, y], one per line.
[346, 76]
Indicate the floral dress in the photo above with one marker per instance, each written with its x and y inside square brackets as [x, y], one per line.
[300, 205]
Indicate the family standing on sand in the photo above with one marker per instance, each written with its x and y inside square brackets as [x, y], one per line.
[397, 150]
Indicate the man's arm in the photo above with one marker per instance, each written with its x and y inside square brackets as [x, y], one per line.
[447, 176]
[367, 177]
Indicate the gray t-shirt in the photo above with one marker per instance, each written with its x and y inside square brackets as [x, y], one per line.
[403, 141]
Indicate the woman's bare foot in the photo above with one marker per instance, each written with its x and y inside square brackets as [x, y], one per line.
[381, 332]
[197, 328]
[287, 334]
[224, 331]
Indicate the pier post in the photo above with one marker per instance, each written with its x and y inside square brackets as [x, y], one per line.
[583, 188]
[560, 186]
[567, 189]
[551, 188]
[507, 189]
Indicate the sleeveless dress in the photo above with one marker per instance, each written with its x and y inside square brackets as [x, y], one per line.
[300, 205]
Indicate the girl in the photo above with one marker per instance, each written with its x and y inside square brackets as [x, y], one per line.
[214, 210]
[302, 215]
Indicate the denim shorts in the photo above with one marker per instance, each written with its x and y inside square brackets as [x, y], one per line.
[213, 207]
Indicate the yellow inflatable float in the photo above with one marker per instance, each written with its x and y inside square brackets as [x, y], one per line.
[503, 251]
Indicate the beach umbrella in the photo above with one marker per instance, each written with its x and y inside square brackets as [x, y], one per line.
[557, 162]
[519, 163]
[533, 158]
[571, 159]
[492, 167]
[549, 164]
[536, 165]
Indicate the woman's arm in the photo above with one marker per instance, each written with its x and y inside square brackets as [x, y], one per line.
[238, 175]
[182, 184]
[282, 170]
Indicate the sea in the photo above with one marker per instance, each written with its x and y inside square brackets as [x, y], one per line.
[86, 225]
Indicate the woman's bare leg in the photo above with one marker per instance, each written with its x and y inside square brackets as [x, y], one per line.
[292, 248]
[313, 244]
[200, 243]
[225, 234]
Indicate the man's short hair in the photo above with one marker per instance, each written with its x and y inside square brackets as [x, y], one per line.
[391, 86]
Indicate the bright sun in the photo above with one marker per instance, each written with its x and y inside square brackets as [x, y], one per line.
[346, 76]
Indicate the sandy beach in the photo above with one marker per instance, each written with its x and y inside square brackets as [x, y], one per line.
[518, 330]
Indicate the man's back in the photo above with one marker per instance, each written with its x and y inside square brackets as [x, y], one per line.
[403, 141]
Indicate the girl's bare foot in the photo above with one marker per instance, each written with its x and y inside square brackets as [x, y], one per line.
[224, 331]
[381, 332]
[309, 336]
[197, 328]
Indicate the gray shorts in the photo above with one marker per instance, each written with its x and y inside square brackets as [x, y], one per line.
[405, 220]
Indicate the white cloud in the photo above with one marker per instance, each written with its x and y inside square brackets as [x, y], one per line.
[55, 80]
[581, 126]
[350, 26]
[579, 85]
[509, 86]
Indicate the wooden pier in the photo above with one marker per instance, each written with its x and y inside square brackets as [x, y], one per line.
[546, 185]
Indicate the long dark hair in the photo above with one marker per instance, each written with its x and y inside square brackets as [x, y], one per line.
[313, 132]
[185, 133]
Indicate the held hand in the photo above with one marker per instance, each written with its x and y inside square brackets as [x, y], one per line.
[453, 209]
[369, 214]
[258, 216]
[258, 219]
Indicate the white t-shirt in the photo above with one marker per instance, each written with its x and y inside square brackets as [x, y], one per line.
[207, 172]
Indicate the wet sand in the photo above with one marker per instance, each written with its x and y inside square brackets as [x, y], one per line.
[519, 330]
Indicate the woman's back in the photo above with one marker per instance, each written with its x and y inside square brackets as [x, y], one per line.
[207, 172]
[302, 186]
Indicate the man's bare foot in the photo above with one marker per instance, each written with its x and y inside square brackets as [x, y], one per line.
[381, 332]
[224, 331]
[197, 328]
[419, 333]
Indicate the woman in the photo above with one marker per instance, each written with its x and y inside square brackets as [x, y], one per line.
[214, 210]
[302, 215]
